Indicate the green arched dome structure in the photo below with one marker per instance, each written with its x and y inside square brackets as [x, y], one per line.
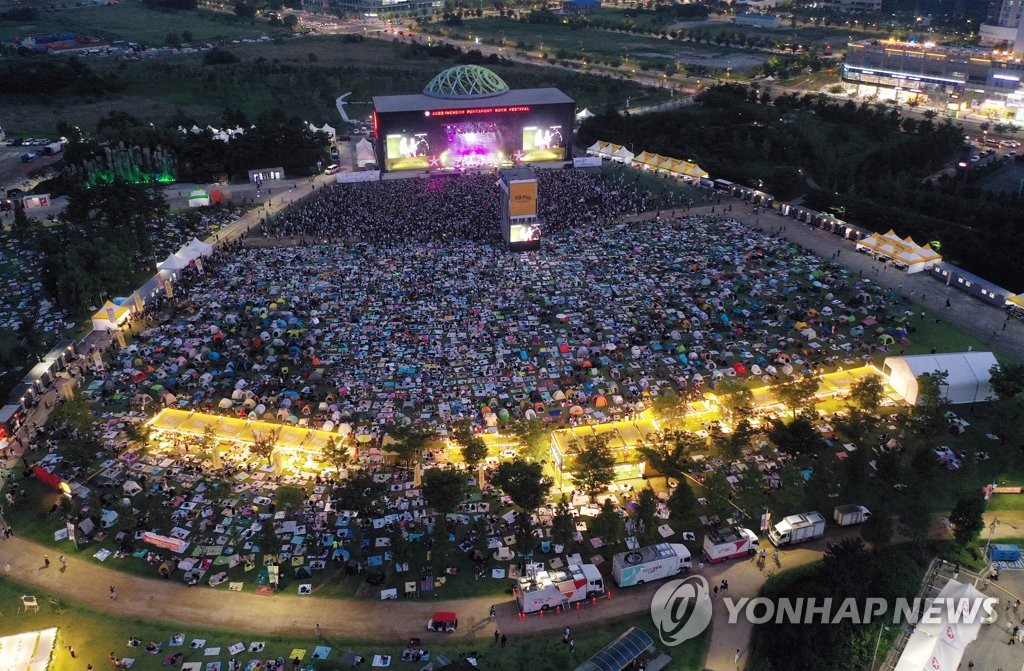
[465, 81]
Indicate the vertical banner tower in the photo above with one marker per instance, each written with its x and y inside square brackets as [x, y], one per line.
[519, 222]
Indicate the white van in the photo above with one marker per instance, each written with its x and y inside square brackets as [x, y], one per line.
[332, 169]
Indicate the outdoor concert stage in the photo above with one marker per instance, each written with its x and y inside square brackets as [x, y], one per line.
[467, 118]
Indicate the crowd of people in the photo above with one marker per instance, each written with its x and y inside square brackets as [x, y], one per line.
[596, 324]
[458, 207]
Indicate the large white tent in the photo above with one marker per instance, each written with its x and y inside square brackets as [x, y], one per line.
[967, 380]
[364, 153]
[199, 247]
[900, 250]
[938, 643]
[28, 651]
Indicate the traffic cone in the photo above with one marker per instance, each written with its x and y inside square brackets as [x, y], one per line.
[579, 605]
[593, 601]
[609, 595]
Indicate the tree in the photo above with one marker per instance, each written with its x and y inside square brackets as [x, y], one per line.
[718, 493]
[646, 514]
[878, 529]
[928, 412]
[474, 449]
[797, 437]
[608, 525]
[563, 526]
[788, 499]
[915, 519]
[262, 445]
[668, 452]
[408, 445]
[966, 518]
[444, 490]
[736, 400]
[21, 227]
[594, 467]
[1007, 381]
[533, 434]
[734, 443]
[523, 482]
[867, 393]
[682, 502]
[244, 10]
[337, 454]
[798, 394]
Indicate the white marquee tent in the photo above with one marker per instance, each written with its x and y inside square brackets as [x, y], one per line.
[364, 153]
[939, 645]
[967, 382]
[199, 247]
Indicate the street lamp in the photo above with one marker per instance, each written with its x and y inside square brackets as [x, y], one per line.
[877, 642]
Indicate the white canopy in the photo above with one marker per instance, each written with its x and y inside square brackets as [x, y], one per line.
[200, 247]
[584, 114]
[173, 262]
[967, 380]
[939, 645]
[364, 153]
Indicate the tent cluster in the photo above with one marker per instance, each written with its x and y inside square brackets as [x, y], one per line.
[329, 130]
[904, 252]
[224, 135]
[647, 161]
[172, 266]
[671, 166]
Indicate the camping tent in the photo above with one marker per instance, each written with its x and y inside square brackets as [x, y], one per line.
[364, 153]
[967, 382]
[110, 316]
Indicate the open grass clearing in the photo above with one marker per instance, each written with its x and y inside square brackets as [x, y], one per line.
[132, 21]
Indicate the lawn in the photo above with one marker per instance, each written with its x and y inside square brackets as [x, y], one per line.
[301, 76]
[94, 636]
[132, 21]
[592, 42]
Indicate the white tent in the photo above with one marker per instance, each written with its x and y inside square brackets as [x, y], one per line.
[584, 114]
[939, 641]
[622, 155]
[173, 263]
[198, 198]
[200, 247]
[364, 153]
[967, 382]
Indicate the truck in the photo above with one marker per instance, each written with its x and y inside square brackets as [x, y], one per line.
[851, 514]
[53, 149]
[797, 529]
[729, 543]
[654, 562]
[542, 590]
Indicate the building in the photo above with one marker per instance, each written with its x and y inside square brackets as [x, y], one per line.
[952, 77]
[1003, 28]
[958, 278]
[467, 118]
[382, 8]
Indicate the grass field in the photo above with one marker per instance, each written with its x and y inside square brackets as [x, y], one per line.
[602, 44]
[95, 636]
[132, 21]
[286, 76]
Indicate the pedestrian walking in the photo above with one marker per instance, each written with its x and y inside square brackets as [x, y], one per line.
[63, 562]
[492, 612]
[317, 630]
[46, 561]
[736, 657]
[504, 640]
[497, 635]
[113, 593]
[71, 651]
[572, 645]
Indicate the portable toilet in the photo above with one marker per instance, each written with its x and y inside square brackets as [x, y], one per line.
[1002, 552]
